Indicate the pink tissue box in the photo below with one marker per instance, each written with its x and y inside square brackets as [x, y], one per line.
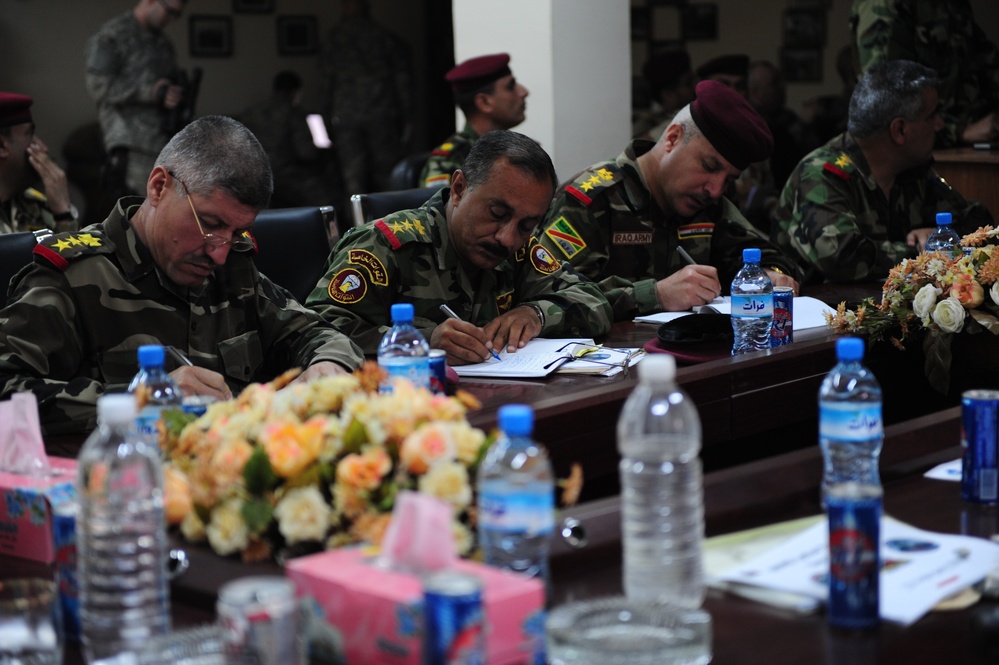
[32, 510]
[378, 612]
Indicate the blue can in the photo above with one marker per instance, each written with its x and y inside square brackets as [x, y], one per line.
[782, 330]
[854, 555]
[438, 371]
[453, 632]
[980, 441]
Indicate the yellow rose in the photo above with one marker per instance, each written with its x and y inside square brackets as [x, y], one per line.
[302, 515]
[290, 446]
[226, 531]
[426, 446]
[192, 528]
[448, 481]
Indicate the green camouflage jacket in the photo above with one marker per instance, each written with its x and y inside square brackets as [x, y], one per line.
[937, 34]
[27, 211]
[835, 221]
[123, 60]
[607, 224]
[79, 313]
[408, 257]
[447, 157]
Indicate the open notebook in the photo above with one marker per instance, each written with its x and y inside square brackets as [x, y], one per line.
[538, 358]
[808, 312]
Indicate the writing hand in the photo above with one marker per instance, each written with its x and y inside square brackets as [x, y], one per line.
[463, 342]
[690, 286]
[321, 368]
[200, 381]
[514, 328]
[780, 279]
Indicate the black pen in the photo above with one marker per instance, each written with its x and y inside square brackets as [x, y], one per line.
[685, 256]
[449, 313]
[180, 357]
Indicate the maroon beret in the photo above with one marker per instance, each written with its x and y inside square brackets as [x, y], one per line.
[665, 69]
[14, 109]
[734, 65]
[478, 72]
[731, 124]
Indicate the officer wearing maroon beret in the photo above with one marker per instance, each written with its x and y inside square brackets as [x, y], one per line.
[24, 165]
[490, 98]
[653, 226]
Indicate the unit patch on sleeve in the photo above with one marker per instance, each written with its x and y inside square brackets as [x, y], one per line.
[347, 286]
[697, 230]
[371, 263]
[566, 237]
[543, 261]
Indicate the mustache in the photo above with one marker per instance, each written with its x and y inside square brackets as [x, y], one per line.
[496, 249]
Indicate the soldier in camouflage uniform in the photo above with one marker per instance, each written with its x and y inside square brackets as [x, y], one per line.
[490, 98]
[469, 247]
[160, 271]
[867, 199]
[24, 163]
[942, 35]
[131, 72]
[622, 222]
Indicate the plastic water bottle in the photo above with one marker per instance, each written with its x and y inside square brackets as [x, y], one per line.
[121, 538]
[403, 352]
[944, 238]
[161, 392]
[752, 305]
[516, 504]
[850, 427]
[662, 507]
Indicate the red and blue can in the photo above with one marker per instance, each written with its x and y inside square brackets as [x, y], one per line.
[782, 330]
[980, 441]
[854, 513]
[438, 371]
[453, 630]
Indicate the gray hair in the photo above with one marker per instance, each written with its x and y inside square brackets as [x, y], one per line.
[217, 152]
[886, 91]
[686, 121]
[522, 152]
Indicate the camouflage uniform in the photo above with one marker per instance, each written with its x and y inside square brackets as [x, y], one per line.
[607, 224]
[371, 98]
[27, 211]
[937, 34]
[123, 61]
[78, 314]
[835, 221]
[447, 157]
[296, 162]
[408, 257]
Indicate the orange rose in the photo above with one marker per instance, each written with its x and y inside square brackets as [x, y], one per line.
[177, 501]
[967, 291]
[291, 447]
[421, 449]
[364, 470]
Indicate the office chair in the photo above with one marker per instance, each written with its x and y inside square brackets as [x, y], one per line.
[15, 253]
[406, 174]
[293, 245]
[366, 207]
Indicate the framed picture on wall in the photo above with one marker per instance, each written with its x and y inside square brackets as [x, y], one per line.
[253, 6]
[297, 35]
[801, 65]
[700, 21]
[210, 36]
[804, 28]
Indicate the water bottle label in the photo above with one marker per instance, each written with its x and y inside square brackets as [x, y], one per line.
[517, 512]
[843, 421]
[753, 306]
[415, 369]
[146, 421]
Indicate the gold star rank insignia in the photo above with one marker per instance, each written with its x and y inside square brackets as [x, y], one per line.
[396, 227]
[604, 174]
[62, 245]
[843, 161]
[418, 225]
[89, 240]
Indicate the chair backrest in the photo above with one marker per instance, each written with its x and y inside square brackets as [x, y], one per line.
[15, 253]
[293, 245]
[366, 207]
[406, 174]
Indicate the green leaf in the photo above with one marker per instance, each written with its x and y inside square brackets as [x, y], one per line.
[258, 474]
[354, 437]
[257, 513]
[176, 420]
[936, 348]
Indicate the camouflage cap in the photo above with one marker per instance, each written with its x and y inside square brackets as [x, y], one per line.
[474, 73]
[734, 65]
[14, 109]
[731, 124]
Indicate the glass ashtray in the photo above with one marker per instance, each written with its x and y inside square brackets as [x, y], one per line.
[613, 631]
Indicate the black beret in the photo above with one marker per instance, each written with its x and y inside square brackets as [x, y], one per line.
[14, 109]
[735, 65]
[478, 72]
[665, 69]
[731, 124]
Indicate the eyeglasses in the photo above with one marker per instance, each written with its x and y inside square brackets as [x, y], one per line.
[241, 243]
[171, 10]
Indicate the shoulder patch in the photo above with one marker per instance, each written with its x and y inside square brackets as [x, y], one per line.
[439, 180]
[63, 248]
[565, 237]
[542, 259]
[33, 194]
[841, 167]
[590, 183]
[347, 287]
[371, 263]
[443, 150]
[400, 230]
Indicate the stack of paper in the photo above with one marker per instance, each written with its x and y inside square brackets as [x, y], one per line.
[538, 358]
[808, 312]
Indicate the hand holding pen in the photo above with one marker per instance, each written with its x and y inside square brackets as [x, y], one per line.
[437, 342]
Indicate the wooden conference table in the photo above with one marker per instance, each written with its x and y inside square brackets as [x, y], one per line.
[974, 173]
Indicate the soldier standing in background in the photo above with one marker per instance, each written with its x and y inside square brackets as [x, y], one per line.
[369, 98]
[132, 74]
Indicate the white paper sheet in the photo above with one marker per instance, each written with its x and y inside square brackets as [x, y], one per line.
[808, 312]
[538, 358]
[947, 471]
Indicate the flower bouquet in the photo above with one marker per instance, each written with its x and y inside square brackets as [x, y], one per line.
[317, 464]
[933, 296]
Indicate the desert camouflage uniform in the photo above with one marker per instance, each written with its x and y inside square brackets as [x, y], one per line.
[27, 211]
[447, 157]
[79, 313]
[123, 61]
[370, 95]
[938, 34]
[834, 219]
[607, 224]
[408, 257]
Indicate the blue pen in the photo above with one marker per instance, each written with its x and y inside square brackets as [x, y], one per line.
[449, 313]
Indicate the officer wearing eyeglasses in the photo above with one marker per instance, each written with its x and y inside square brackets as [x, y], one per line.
[174, 268]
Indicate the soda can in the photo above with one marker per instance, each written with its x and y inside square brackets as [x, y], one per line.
[64, 541]
[196, 404]
[854, 556]
[438, 371]
[782, 330]
[453, 632]
[980, 441]
[260, 619]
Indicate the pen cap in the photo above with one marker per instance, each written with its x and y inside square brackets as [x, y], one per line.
[402, 312]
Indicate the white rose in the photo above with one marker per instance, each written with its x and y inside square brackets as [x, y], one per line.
[302, 515]
[994, 292]
[227, 533]
[448, 481]
[949, 315]
[924, 301]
